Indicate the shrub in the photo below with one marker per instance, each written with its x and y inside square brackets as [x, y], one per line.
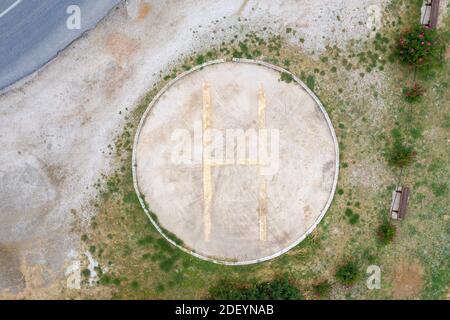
[311, 82]
[322, 289]
[398, 154]
[386, 232]
[348, 212]
[419, 46]
[200, 59]
[413, 93]
[347, 273]
[86, 273]
[277, 289]
[134, 285]
[354, 219]
[286, 77]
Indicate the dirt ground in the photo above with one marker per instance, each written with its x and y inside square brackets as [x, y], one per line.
[56, 126]
[407, 280]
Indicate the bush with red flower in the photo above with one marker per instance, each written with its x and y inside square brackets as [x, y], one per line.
[419, 46]
[413, 93]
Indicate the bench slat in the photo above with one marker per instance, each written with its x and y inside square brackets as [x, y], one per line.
[403, 202]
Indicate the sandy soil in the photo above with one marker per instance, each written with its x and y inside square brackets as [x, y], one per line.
[56, 125]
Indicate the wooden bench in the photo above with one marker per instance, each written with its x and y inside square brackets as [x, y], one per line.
[399, 204]
[430, 13]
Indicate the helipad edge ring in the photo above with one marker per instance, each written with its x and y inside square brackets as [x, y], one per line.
[225, 262]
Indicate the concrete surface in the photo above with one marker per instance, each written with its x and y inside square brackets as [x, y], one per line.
[295, 195]
[32, 32]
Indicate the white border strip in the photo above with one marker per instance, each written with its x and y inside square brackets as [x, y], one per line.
[10, 8]
[310, 229]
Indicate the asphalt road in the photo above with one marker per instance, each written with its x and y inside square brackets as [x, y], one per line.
[32, 32]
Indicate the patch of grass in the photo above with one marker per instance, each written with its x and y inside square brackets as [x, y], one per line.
[348, 212]
[112, 185]
[322, 289]
[439, 189]
[286, 77]
[398, 153]
[413, 93]
[311, 82]
[438, 280]
[131, 198]
[416, 133]
[277, 289]
[147, 241]
[386, 232]
[200, 59]
[160, 288]
[134, 285]
[354, 219]
[85, 273]
[347, 273]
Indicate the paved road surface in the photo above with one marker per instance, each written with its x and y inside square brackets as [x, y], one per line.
[32, 32]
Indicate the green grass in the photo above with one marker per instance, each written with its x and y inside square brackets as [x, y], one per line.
[311, 82]
[386, 232]
[439, 189]
[322, 289]
[278, 289]
[348, 273]
[286, 77]
[399, 153]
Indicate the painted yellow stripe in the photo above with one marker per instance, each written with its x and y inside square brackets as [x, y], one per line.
[207, 179]
[262, 180]
[242, 7]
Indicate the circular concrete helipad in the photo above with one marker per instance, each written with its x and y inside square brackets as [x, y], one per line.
[235, 162]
